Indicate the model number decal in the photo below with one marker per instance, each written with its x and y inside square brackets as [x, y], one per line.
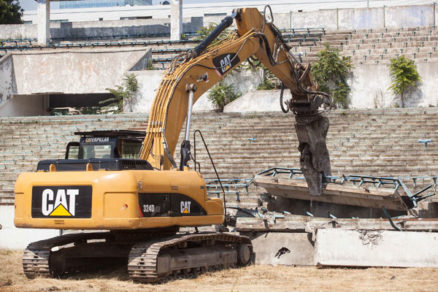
[151, 209]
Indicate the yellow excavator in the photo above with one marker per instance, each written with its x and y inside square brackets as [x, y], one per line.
[125, 189]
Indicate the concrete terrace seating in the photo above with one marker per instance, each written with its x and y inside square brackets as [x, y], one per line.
[377, 46]
[303, 36]
[371, 142]
[163, 50]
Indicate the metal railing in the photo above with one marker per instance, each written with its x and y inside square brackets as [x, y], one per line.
[395, 183]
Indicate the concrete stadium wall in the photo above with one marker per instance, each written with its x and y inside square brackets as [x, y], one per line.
[369, 89]
[361, 18]
[68, 71]
[25, 105]
[93, 73]
[331, 19]
[18, 238]
[208, 9]
[93, 29]
[149, 81]
[8, 85]
[73, 71]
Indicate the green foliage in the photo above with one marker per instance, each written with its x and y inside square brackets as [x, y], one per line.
[10, 12]
[222, 94]
[270, 81]
[266, 85]
[149, 65]
[124, 93]
[206, 30]
[331, 72]
[404, 76]
[91, 110]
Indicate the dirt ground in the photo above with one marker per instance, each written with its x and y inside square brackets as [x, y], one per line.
[253, 278]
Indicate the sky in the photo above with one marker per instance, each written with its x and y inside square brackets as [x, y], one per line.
[31, 4]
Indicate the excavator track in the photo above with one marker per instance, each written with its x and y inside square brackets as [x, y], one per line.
[151, 257]
[36, 262]
[37, 257]
[153, 261]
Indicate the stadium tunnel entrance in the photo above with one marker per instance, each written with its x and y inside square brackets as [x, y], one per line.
[53, 104]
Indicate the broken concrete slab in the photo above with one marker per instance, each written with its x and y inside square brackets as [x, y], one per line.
[283, 249]
[365, 248]
[336, 194]
[294, 223]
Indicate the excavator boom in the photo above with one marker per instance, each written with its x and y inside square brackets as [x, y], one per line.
[194, 72]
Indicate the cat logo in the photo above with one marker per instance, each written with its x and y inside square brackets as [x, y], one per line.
[225, 62]
[61, 204]
[61, 201]
[185, 207]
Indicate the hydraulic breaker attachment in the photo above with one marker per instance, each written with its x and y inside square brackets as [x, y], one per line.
[314, 159]
[311, 127]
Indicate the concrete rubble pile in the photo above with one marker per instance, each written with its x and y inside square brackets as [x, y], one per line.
[293, 228]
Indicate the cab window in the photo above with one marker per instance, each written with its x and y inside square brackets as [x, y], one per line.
[96, 151]
[130, 149]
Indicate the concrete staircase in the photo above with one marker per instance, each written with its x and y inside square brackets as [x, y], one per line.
[372, 46]
[26, 140]
[377, 46]
[376, 142]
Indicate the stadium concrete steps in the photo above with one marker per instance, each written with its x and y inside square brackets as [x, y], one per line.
[376, 46]
[372, 142]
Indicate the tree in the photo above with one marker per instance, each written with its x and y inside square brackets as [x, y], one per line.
[10, 12]
[122, 94]
[404, 76]
[222, 94]
[331, 72]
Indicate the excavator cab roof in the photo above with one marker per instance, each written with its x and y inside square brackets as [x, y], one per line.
[125, 134]
[104, 149]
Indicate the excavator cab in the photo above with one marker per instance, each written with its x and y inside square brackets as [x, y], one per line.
[108, 150]
[106, 144]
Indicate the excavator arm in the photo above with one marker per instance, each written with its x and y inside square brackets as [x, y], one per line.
[193, 73]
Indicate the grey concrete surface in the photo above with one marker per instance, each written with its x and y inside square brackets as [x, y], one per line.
[408, 16]
[43, 14]
[337, 247]
[148, 83]
[93, 71]
[370, 87]
[289, 249]
[360, 18]
[256, 101]
[176, 19]
[285, 15]
[100, 29]
[364, 18]
[70, 71]
[25, 105]
[18, 238]
[8, 85]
